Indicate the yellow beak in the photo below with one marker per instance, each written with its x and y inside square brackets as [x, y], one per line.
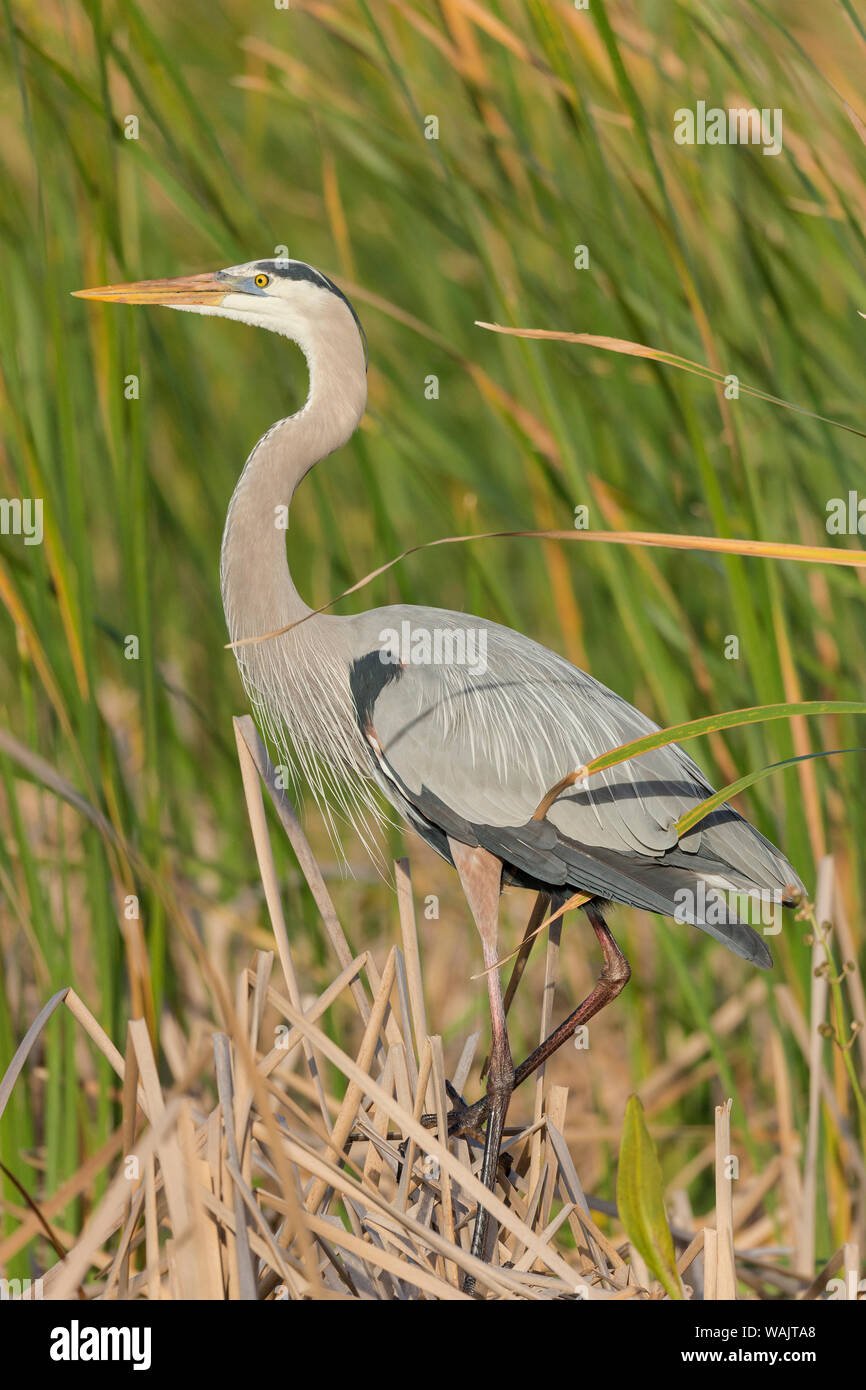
[186, 289]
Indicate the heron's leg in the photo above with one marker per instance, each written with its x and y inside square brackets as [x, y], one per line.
[542, 903]
[613, 979]
[481, 876]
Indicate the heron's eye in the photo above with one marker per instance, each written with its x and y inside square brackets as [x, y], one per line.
[262, 280]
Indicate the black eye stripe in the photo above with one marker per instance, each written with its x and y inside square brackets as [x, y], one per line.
[293, 270]
[299, 270]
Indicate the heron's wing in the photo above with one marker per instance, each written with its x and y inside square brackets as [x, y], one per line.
[473, 745]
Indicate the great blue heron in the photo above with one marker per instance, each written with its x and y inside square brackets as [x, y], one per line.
[464, 725]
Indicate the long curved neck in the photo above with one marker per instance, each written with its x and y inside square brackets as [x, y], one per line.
[257, 588]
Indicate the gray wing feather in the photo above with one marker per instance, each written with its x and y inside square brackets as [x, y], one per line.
[475, 748]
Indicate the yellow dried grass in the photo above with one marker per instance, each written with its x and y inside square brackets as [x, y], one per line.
[277, 1190]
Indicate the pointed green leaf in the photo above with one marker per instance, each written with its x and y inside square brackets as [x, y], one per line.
[712, 723]
[640, 1198]
[698, 813]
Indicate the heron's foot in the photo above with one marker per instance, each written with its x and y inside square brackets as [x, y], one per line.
[468, 1120]
[463, 1120]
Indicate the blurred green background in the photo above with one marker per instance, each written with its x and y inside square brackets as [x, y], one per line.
[258, 128]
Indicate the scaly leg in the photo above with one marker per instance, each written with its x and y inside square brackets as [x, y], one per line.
[613, 979]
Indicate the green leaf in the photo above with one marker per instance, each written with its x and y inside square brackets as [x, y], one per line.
[712, 723]
[639, 1196]
[698, 813]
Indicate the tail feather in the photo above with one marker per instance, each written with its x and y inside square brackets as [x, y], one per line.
[689, 887]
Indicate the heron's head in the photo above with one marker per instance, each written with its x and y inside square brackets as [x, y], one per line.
[285, 296]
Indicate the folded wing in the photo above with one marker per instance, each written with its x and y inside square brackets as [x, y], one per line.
[470, 749]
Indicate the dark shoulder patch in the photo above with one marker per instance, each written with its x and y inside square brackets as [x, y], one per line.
[367, 679]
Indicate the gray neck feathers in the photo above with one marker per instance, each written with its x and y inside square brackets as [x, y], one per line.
[298, 683]
[257, 588]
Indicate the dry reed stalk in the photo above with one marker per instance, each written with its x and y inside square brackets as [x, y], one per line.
[817, 1017]
[726, 1278]
[281, 1191]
